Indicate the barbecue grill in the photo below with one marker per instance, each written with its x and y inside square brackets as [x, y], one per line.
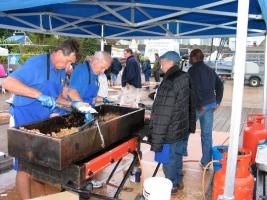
[71, 161]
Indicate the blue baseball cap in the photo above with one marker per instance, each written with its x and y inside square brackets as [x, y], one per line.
[171, 55]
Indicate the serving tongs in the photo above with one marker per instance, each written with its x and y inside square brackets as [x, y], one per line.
[87, 124]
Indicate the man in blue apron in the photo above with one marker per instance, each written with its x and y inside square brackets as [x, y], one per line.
[84, 84]
[36, 85]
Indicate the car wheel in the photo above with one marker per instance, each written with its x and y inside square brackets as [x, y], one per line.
[254, 82]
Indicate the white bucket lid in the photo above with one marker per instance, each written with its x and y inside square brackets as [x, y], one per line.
[156, 188]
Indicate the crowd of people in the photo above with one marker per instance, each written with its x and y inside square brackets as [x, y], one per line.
[44, 81]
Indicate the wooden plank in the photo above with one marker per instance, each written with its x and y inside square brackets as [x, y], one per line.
[222, 127]
[59, 196]
[222, 118]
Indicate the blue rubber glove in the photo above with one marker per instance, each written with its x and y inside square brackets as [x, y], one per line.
[75, 104]
[106, 101]
[83, 107]
[88, 117]
[47, 101]
[78, 105]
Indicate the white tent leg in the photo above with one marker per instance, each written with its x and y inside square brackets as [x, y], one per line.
[239, 68]
[264, 111]
[102, 37]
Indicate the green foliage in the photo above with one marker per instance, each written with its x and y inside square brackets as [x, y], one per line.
[3, 59]
[24, 57]
[15, 48]
[4, 33]
[87, 47]
[43, 43]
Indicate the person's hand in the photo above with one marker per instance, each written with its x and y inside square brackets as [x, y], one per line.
[83, 107]
[106, 101]
[78, 105]
[47, 101]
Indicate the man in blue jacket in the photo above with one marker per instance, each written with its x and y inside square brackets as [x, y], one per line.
[36, 85]
[131, 74]
[209, 92]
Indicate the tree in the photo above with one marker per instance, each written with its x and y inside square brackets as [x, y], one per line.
[4, 33]
[88, 47]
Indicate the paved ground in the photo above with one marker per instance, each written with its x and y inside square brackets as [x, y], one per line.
[192, 173]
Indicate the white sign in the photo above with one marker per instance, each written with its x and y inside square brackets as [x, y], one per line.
[160, 46]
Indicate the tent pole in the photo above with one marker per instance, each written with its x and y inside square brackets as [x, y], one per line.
[265, 79]
[8, 70]
[239, 68]
[102, 37]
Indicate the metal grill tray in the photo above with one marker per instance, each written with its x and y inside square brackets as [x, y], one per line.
[58, 153]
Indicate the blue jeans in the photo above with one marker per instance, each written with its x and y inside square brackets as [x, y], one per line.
[147, 77]
[206, 124]
[173, 170]
[113, 77]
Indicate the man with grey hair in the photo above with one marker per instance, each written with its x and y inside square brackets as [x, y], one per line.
[84, 83]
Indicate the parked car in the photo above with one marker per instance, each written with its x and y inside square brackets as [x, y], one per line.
[254, 74]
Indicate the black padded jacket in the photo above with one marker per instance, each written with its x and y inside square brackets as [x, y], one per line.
[173, 113]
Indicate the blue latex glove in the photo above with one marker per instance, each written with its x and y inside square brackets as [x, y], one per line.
[106, 101]
[75, 104]
[47, 101]
[83, 107]
[79, 106]
[163, 155]
[88, 117]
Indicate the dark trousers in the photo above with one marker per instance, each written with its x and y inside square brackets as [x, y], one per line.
[157, 77]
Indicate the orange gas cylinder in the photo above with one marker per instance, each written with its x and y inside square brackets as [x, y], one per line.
[254, 133]
[244, 181]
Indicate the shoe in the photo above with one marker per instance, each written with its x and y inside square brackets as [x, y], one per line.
[180, 186]
[174, 190]
[96, 184]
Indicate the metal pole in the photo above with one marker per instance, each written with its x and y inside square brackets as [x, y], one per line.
[264, 111]
[8, 68]
[240, 60]
[102, 37]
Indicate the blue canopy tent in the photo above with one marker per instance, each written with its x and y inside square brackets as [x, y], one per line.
[128, 19]
[150, 19]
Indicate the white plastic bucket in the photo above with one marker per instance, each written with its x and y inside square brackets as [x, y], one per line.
[157, 188]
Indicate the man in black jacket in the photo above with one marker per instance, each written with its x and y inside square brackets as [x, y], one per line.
[172, 118]
[132, 73]
[209, 92]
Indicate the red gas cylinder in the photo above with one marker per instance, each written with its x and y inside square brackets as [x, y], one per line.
[244, 181]
[254, 133]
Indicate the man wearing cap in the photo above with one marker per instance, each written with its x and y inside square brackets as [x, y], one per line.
[172, 119]
[209, 92]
